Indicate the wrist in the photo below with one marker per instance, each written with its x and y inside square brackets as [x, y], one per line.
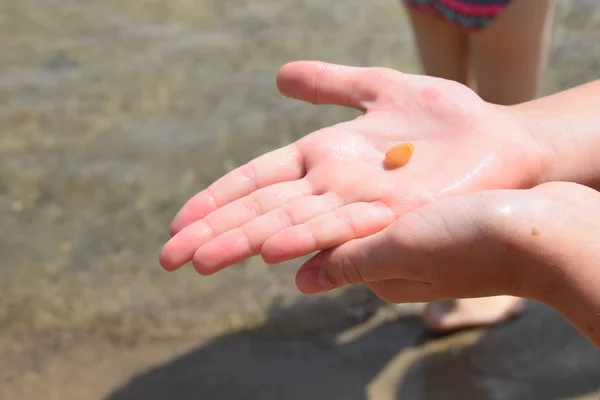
[566, 130]
[526, 152]
[541, 131]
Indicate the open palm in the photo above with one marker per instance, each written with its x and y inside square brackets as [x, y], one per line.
[332, 186]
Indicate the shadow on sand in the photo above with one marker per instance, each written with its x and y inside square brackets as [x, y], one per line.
[537, 356]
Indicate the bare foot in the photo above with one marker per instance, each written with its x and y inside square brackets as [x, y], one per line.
[444, 316]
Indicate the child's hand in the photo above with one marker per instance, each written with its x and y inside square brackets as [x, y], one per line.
[527, 243]
[331, 186]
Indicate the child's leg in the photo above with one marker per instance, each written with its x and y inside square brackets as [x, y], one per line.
[442, 46]
[508, 58]
[442, 316]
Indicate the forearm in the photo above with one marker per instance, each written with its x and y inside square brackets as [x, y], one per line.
[550, 236]
[560, 262]
[567, 127]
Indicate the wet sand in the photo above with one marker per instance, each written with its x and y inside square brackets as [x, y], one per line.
[114, 113]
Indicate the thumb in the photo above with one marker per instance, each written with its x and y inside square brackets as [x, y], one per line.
[323, 83]
[435, 243]
[358, 261]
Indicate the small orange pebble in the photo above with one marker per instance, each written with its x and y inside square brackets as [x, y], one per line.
[400, 155]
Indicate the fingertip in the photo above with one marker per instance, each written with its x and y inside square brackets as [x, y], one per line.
[271, 256]
[174, 228]
[312, 281]
[215, 256]
[182, 219]
[196, 208]
[293, 67]
[167, 260]
[201, 266]
[302, 80]
[291, 78]
[180, 248]
[270, 252]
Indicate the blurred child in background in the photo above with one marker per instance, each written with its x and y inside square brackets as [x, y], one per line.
[499, 49]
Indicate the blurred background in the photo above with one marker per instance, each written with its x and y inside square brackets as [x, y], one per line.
[114, 112]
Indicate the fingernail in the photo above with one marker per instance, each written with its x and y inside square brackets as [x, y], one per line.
[313, 280]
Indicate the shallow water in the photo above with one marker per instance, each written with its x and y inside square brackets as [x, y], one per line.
[114, 113]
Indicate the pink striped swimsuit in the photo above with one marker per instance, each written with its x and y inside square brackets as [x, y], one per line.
[469, 14]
